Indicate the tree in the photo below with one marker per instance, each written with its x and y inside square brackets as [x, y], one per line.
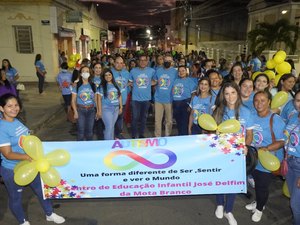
[266, 36]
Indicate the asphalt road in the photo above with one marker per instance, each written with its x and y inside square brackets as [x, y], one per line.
[183, 210]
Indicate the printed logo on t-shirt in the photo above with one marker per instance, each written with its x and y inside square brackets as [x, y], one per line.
[142, 81]
[257, 138]
[164, 82]
[294, 139]
[65, 84]
[112, 95]
[178, 90]
[121, 83]
[86, 95]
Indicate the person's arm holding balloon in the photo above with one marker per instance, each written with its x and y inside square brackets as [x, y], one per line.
[9, 154]
[74, 104]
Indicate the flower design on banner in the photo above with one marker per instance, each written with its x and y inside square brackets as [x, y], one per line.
[26, 171]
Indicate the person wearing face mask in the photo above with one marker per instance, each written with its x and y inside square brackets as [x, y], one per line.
[64, 81]
[84, 104]
[165, 78]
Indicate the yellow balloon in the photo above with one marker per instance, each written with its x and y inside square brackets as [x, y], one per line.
[42, 165]
[270, 74]
[270, 64]
[20, 164]
[268, 160]
[279, 99]
[72, 57]
[278, 59]
[58, 157]
[285, 190]
[255, 74]
[25, 174]
[77, 56]
[207, 122]
[284, 67]
[33, 146]
[71, 64]
[277, 78]
[281, 53]
[51, 177]
[229, 126]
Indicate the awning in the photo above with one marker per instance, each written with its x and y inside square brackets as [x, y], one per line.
[66, 32]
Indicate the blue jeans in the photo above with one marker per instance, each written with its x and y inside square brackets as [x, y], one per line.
[85, 124]
[15, 195]
[181, 115]
[229, 198]
[119, 124]
[139, 114]
[291, 179]
[41, 82]
[109, 117]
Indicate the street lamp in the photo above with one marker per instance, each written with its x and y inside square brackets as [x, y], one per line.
[148, 31]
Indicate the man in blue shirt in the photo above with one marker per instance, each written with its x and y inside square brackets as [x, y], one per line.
[141, 79]
[165, 78]
[121, 76]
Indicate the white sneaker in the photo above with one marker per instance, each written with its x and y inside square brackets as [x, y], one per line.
[219, 211]
[231, 220]
[25, 223]
[55, 218]
[256, 217]
[252, 206]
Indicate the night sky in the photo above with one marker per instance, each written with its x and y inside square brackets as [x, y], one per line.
[135, 13]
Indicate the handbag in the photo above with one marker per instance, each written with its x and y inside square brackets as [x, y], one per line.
[282, 171]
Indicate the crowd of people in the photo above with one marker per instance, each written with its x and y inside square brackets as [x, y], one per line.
[107, 91]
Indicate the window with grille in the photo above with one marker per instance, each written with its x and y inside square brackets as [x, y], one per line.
[24, 43]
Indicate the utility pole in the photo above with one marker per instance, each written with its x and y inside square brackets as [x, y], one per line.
[187, 21]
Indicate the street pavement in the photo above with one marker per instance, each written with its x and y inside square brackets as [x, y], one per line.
[45, 116]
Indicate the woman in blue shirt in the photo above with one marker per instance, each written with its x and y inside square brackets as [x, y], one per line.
[201, 103]
[109, 103]
[182, 91]
[229, 106]
[12, 75]
[11, 130]
[40, 72]
[84, 104]
[293, 150]
[267, 136]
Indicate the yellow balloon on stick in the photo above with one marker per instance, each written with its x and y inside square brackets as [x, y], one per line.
[285, 190]
[284, 67]
[20, 164]
[281, 53]
[207, 122]
[42, 165]
[270, 64]
[51, 178]
[278, 59]
[279, 99]
[71, 64]
[58, 157]
[25, 174]
[72, 57]
[229, 126]
[77, 57]
[268, 160]
[33, 147]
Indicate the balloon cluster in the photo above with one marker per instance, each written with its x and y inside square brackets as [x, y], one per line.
[73, 59]
[26, 171]
[207, 122]
[281, 67]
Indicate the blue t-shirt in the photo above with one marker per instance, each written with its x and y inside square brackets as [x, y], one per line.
[245, 118]
[249, 103]
[215, 92]
[202, 106]
[288, 111]
[97, 81]
[112, 98]
[121, 78]
[85, 95]
[141, 79]
[292, 136]
[183, 88]
[165, 79]
[262, 136]
[40, 65]
[64, 79]
[10, 133]
[256, 64]
[11, 74]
